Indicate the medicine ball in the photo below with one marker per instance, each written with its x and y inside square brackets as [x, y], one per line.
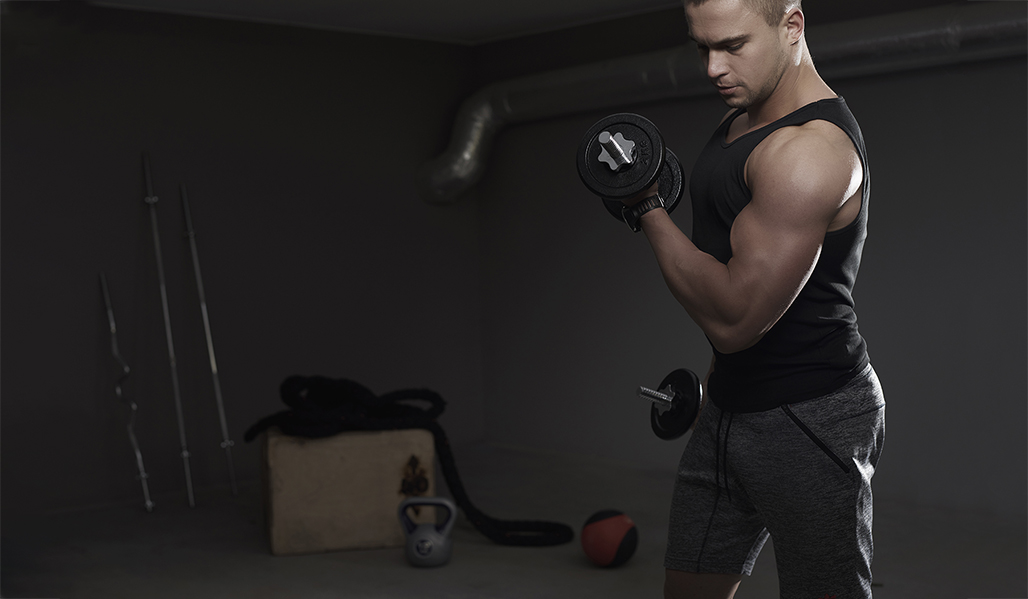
[609, 538]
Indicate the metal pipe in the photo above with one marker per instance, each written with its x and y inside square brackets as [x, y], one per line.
[120, 394]
[941, 35]
[226, 442]
[151, 199]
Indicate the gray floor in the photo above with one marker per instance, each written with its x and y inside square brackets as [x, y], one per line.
[219, 549]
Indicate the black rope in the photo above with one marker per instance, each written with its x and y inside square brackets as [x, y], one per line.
[323, 407]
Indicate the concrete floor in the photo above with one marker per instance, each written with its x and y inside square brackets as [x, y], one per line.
[219, 548]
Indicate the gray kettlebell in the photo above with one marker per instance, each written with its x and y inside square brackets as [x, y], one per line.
[428, 544]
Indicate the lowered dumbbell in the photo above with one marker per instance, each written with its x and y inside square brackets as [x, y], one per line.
[676, 404]
[623, 155]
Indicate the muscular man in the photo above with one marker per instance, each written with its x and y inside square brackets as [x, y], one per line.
[793, 417]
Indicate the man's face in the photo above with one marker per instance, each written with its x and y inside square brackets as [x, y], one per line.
[744, 57]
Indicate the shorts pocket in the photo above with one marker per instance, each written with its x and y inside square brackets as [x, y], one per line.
[817, 441]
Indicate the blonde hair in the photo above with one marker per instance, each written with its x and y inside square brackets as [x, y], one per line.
[771, 10]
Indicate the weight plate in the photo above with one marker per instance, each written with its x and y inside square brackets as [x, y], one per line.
[677, 421]
[648, 157]
[670, 187]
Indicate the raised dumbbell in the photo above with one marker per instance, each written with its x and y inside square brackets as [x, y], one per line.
[676, 403]
[623, 155]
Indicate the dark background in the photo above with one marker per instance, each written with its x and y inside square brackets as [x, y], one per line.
[525, 305]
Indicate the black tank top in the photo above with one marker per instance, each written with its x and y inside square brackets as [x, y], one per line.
[815, 348]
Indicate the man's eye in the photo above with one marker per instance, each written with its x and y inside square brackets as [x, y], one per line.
[735, 48]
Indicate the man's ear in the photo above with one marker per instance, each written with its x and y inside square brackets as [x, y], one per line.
[794, 23]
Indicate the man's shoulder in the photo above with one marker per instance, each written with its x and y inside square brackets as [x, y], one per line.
[816, 156]
[814, 142]
[813, 139]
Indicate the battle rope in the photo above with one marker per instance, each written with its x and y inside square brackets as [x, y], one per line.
[322, 407]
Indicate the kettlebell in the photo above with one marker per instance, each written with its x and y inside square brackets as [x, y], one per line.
[428, 544]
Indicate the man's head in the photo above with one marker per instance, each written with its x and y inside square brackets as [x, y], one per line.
[747, 45]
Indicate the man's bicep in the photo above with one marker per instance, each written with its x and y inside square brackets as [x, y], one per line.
[773, 254]
[776, 240]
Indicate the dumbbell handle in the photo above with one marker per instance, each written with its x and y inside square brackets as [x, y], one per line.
[617, 156]
[664, 401]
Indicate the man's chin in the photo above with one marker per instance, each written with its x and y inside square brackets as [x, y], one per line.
[734, 98]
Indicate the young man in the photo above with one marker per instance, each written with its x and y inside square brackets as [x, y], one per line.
[793, 418]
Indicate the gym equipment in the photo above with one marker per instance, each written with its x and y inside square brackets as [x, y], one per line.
[676, 403]
[428, 544]
[152, 200]
[623, 155]
[120, 394]
[226, 442]
[609, 538]
[321, 407]
[340, 493]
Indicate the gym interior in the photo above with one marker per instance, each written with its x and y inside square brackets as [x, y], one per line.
[520, 301]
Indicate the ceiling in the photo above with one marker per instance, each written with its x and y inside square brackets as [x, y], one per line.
[454, 21]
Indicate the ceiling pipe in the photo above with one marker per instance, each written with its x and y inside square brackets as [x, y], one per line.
[942, 35]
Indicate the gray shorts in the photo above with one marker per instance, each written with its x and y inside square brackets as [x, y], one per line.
[802, 473]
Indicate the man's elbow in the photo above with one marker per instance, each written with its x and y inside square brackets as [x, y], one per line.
[729, 339]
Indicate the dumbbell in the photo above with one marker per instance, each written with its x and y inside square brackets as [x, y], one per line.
[676, 403]
[623, 155]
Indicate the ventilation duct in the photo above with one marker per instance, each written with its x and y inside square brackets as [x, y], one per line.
[909, 40]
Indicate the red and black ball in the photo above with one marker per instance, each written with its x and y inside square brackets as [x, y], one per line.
[609, 538]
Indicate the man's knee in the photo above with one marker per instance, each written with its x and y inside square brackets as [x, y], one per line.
[688, 585]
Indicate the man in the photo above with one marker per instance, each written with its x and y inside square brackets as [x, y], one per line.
[793, 418]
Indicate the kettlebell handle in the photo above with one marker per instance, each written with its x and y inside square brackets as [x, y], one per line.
[444, 529]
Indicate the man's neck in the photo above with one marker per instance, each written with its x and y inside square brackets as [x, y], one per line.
[800, 85]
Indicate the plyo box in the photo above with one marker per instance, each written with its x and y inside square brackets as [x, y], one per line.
[343, 492]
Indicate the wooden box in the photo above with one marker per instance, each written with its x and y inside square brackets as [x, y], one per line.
[343, 492]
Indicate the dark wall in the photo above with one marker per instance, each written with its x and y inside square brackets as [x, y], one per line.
[577, 314]
[645, 32]
[525, 304]
[298, 148]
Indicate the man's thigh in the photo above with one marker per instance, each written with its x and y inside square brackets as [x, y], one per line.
[713, 527]
[812, 486]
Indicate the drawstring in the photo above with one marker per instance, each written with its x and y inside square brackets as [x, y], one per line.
[717, 477]
[717, 454]
[721, 468]
[728, 431]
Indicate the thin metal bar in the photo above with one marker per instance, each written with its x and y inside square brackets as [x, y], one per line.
[226, 442]
[663, 400]
[119, 392]
[151, 199]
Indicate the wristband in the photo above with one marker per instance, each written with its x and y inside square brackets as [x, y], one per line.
[632, 216]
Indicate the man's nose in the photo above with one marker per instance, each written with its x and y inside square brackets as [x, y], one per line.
[716, 66]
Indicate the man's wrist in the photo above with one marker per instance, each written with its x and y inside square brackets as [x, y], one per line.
[633, 216]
